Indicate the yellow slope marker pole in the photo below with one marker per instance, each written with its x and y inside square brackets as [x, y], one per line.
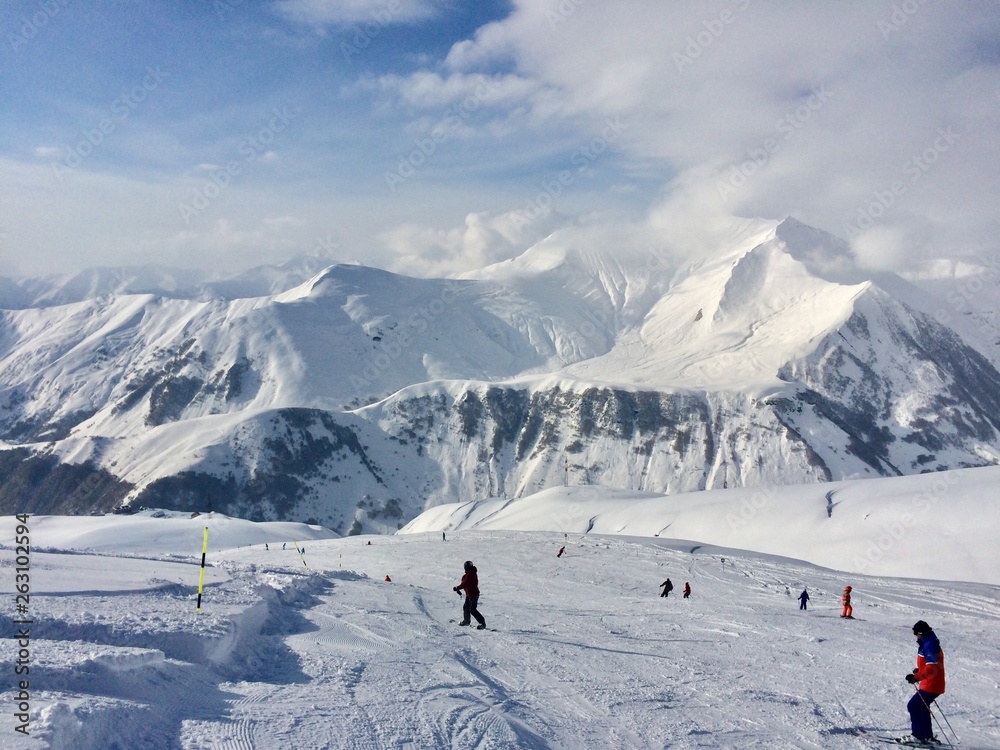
[201, 576]
[299, 550]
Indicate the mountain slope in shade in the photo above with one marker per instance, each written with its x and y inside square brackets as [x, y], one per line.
[358, 397]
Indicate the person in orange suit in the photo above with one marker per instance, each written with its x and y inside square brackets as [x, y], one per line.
[846, 601]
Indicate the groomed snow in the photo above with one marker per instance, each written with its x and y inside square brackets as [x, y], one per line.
[940, 526]
[585, 654]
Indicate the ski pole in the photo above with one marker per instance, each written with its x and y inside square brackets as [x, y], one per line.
[933, 716]
[953, 732]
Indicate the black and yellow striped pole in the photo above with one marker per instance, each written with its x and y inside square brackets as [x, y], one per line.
[201, 576]
[299, 550]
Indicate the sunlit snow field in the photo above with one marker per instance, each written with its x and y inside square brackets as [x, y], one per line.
[584, 654]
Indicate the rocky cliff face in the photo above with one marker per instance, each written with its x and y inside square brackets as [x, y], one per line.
[360, 397]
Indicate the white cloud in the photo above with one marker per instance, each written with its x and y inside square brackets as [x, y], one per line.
[348, 12]
[811, 110]
[827, 111]
[47, 152]
[884, 247]
[481, 240]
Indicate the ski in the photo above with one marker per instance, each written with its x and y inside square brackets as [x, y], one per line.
[470, 626]
[903, 742]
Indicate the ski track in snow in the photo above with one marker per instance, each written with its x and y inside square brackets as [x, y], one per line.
[585, 653]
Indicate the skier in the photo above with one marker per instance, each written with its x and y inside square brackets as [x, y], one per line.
[388, 580]
[803, 598]
[687, 589]
[470, 582]
[561, 550]
[283, 546]
[928, 678]
[667, 587]
[846, 601]
[443, 537]
[266, 548]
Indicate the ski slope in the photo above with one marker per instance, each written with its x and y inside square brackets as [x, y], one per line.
[584, 654]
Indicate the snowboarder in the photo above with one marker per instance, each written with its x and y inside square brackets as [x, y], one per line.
[561, 550]
[803, 598]
[470, 583]
[846, 601]
[928, 679]
[667, 587]
[687, 589]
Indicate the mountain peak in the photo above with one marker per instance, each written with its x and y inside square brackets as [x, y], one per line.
[823, 254]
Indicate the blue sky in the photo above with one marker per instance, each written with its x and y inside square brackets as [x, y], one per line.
[433, 137]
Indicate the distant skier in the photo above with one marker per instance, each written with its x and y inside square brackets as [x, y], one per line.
[846, 601]
[388, 580]
[667, 587]
[803, 598]
[687, 590]
[928, 678]
[283, 546]
[561, 550]
[470, 584]
[443, 537]
[266, 548]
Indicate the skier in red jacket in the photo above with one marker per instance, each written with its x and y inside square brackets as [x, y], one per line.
[929, 680]
[470, 583]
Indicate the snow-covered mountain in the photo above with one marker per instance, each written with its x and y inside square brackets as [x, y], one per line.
[63, 289]
[356, 397]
